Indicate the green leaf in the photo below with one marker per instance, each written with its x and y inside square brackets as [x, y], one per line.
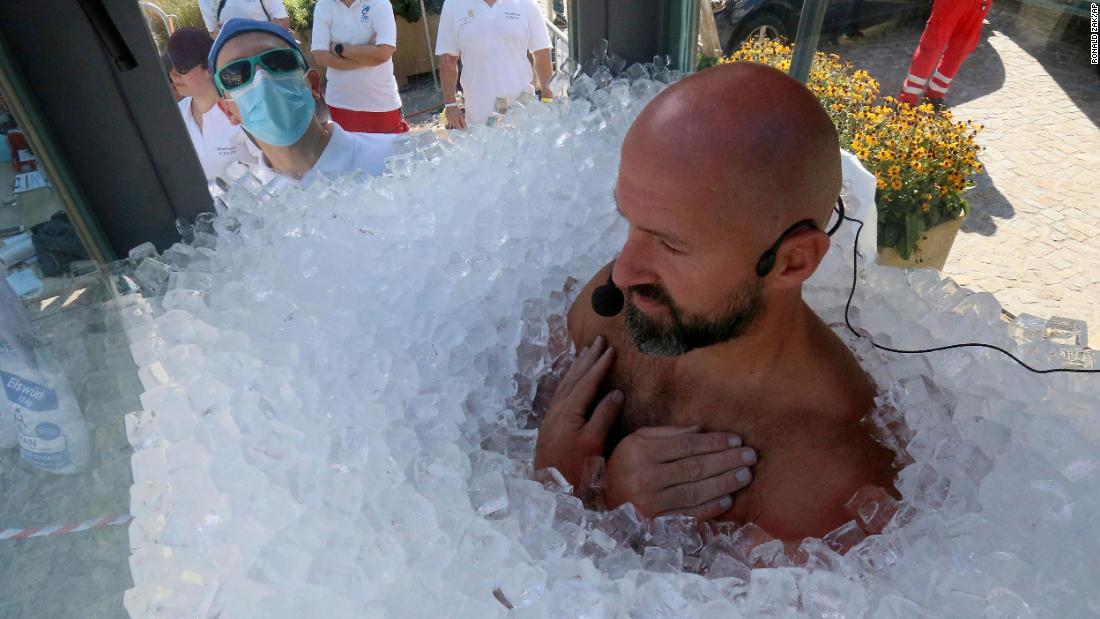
[914, 229]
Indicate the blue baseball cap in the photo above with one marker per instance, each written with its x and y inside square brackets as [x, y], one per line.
[238, 26]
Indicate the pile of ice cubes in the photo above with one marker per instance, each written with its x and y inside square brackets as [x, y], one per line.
[342, 390]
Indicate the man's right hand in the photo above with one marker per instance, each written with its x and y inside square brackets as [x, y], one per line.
[456, 117]
[566, 439]
[669, 470]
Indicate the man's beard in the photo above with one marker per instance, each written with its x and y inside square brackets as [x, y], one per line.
[684, 333]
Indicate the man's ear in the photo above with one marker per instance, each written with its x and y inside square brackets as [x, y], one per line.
[229, 111]
[799, 256]
[313, 78]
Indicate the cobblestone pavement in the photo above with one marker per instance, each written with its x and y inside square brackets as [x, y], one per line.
[1033, 237]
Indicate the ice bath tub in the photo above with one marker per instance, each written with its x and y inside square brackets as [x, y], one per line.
[338, 394]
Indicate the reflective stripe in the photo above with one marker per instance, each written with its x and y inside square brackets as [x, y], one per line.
[912, 90]
[916, 80]
[937, 88]
[942, 78]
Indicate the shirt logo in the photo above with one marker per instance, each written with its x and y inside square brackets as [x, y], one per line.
[365, 15]
[512, 15]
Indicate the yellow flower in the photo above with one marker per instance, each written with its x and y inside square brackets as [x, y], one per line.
[895, 184]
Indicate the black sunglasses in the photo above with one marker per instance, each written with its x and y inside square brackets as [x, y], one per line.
[240, 72]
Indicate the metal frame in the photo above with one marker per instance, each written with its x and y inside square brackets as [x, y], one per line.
[169, 21]
[805, 42]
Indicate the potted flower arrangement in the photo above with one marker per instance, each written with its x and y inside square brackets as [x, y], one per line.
[922, 159]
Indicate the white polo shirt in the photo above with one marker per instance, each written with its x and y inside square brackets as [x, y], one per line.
[492, 42]
[348, 153]
[218, 143]
[246, 9]
[366, 89]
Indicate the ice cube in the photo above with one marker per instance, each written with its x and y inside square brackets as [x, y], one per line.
[618, 562]
[726, 566]
[774, 590]
[1067, 331]
[143, 251]
[553, 480]
[523, 585]
[663, 560]
[875, 553]
[569, 510]
[488, 494]
[872, 507]
[677, 532]
[769, 554]
[622, 524]
[844, 537]
[583, 86]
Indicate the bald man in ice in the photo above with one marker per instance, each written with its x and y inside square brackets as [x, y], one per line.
[717, 392]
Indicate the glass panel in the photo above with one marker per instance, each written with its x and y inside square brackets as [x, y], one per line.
[68, 380]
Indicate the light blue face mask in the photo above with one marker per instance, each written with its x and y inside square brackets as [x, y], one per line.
[276, 109]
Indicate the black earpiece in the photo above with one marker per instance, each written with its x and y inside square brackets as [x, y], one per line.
[767, 261]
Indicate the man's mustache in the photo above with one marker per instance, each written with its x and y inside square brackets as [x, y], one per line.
[652, 292]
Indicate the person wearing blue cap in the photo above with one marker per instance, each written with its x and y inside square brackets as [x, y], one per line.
[266, 85]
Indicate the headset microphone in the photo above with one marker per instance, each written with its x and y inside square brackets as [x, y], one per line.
[607, 299]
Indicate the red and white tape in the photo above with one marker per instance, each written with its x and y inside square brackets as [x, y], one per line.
[62, 529]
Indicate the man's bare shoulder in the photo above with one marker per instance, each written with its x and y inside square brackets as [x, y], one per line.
[840, 375]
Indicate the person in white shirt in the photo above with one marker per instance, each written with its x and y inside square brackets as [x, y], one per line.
[217, 142]
[356, 40]
[492, 39]
[266, 86]
[217, 12]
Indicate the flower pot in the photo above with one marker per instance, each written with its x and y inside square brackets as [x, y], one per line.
[931, 251]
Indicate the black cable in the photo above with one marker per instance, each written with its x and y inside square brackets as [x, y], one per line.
[848, 307]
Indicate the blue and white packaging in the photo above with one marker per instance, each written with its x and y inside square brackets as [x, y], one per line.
[53, 435]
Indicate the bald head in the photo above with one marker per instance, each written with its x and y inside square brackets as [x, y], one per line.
[750, 137]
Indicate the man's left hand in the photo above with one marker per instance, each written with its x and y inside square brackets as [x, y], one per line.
[566, 439]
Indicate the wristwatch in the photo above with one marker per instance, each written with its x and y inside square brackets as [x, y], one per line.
[339, 49]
